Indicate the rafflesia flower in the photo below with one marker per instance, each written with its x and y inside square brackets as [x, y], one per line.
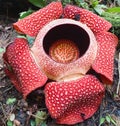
[75, 56]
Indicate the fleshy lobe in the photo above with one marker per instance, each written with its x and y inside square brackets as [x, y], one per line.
[73, 101]
[31, 24]
[95, 22]
[25, 73]
[104, 62]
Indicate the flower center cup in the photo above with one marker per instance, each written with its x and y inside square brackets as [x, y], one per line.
[64, 51]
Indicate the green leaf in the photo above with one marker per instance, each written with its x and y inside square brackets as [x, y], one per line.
[112, 15]
[82, 3]
[94, 2]
[100, 8]
[113, 10]
[9, 123]
[25, 13]
[102, 120]
[2, 50]
[11, 101]
[79, 1]
[65, 2]
[40, 117]
[21, 36]
[108, 119]
[30, 39]
[114, 21]
[114, 18]
[38, 3]
[43, 124]
[113, 122]
[32, 123]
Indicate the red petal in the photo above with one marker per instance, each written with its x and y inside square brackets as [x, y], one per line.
[73, 101]
[26, 75]
[31, 24]
[13, 79]
[95, 22]
[104, 63]
[10, 73]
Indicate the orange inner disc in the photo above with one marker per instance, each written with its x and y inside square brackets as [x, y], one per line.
[64, 51]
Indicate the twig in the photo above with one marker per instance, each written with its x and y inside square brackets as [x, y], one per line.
[3, 111]
[118, 86]
[8, 89]
[4, 115]
[30, 114]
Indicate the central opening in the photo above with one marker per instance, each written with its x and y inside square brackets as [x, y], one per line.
[62, 35]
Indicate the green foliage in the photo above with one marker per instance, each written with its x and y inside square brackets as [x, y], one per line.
[64, 2]
[30, 39]
[38, 3]
[99, 9]
[94, 2]
[40, 118]
[21, 36]
[9, 123]
[32, 123]
[2, 50]
[107, 119]
[113, 10]
[11, 101]
[102, 120]
[82, 3]
[114, 18]
[25, 13]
